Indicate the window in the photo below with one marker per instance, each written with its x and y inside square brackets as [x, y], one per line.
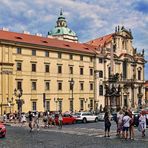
[34, 108]
[70, 56]
[71, 105]
[100, 60]
[33, 67]
[124, 69]
[47, 105]
[59, 86]
[81, 104]
[59, 55]
[18, 50]
[46, 53]
[91, 104]
[81, 58]
[91, 86]
[46, 68]
[139, 75]
[101, 74]
[19, 66]
[33, 85]
[101, 90]
[47, 85]
[19, 85]
[81, 70]
[81, 86]
[70, 70]
[34, 52]
[59, 68]
[91, 71]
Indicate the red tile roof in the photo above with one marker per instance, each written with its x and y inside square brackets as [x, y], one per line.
[101, 41]
[45, 41]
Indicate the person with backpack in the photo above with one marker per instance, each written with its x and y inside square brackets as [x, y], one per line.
[126, 125]
[107, 124]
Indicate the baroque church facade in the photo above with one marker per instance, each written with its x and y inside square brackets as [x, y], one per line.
[57, 72]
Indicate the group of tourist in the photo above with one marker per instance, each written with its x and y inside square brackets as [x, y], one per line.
[48, 119]
[125, 124]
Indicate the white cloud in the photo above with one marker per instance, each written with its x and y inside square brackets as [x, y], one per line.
[88, 18]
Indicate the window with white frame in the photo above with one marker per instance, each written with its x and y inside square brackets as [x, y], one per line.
[19, 66]
[47, 85]
[18, 50]
[47, 66]
[34, 85]
[34, 106]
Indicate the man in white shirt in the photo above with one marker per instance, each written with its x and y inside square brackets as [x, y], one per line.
[126, 125]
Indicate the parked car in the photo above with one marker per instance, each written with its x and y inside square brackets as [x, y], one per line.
[2, 130]
[101, 116]
[67, 119]
[86, 117]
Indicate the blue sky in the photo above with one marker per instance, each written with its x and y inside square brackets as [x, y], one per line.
[88, 18]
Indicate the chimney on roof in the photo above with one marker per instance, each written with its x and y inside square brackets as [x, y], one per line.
[5, 29]
[26, 32]
[38, 34]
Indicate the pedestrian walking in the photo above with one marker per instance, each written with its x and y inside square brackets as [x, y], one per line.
[119, 123]
[107, 124]
[5, 117]
[15, 116]
[60, 120]
[50, 120]
[53, 119]
[45, 119]
[23, 119]
[131, 128]
[30, 117]
[142, 123]
[126, 125]
[36, 120]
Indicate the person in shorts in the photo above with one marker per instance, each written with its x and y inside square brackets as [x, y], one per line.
[126, 125]
[107, 124]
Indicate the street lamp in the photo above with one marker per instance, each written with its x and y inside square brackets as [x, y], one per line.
[9, 101]
[71, 88]
[85, 101]
[18, 93]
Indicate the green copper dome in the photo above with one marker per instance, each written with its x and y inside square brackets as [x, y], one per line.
[61, 29]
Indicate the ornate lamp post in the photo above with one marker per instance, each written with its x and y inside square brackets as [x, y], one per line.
[10, 101]
[18, 93]
[71, 88]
